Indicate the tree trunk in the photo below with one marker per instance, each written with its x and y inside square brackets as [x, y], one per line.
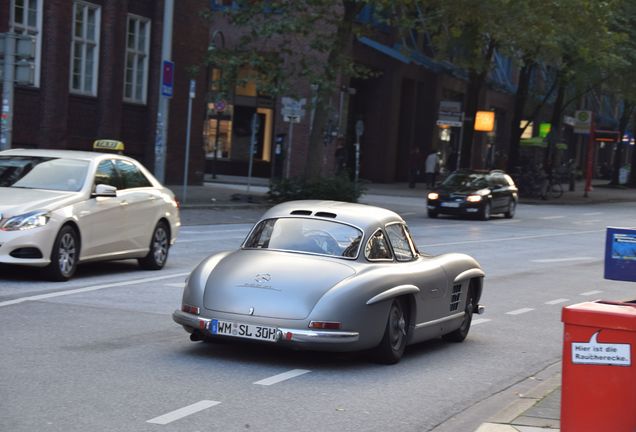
[520, 103]
[555, 126]
[342, 46]
[476, 82]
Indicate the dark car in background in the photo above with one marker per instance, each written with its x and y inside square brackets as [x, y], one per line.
[474, 193]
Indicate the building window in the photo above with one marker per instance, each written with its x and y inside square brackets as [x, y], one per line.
[137, 51]
[26, 18]
[85, 48]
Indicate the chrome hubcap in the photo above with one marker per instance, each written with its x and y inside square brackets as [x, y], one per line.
[160, 246]
[66, 253]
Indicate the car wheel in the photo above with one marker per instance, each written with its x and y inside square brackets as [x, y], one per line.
[432, 214]
[393, 343]
[460, 334]
[485, 211]
[159, 245]
[512, 207]
[64, 255]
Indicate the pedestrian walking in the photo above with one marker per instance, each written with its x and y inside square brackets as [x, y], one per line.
[432, 168]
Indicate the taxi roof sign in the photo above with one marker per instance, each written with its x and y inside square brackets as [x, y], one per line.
[109, 145]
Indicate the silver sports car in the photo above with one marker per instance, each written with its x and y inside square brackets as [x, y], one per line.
[326, 275]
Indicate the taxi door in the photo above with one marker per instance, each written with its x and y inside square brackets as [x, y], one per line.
[103, 219]
[143, 204]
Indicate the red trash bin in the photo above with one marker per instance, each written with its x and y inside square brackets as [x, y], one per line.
[598, 391]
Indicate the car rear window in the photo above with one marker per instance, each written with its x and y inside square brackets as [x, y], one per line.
[307, 235]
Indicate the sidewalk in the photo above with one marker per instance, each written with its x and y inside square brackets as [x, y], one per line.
[226, 192]
[532, 405]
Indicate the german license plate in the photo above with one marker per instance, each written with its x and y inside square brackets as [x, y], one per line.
[450, 204]
[248, 331]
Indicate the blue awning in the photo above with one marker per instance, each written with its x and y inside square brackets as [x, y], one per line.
[391, 52]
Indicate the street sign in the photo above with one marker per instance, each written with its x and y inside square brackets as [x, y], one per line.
[167, 78]
[450, 114]
[193, 88]
[582, 122]
[293, 109]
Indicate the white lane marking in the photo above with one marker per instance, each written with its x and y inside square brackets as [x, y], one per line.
[589, 293]
[282, 377]
[530, 237]
[176, 285]
[88, 289]
[593, 214]
[551, 217]
[557, 301]
[508, 221]
[480, 321]
[556, 260]
[519, 311]
[182, 412]
[199, 232]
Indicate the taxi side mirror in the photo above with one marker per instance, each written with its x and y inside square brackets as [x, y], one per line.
[103, 190]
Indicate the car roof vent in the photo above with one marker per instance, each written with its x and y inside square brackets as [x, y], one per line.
[325, 214]
[301, 212]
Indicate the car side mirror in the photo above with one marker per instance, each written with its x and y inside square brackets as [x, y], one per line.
[103, 190]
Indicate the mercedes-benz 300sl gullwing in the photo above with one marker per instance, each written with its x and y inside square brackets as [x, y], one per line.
[327, 275]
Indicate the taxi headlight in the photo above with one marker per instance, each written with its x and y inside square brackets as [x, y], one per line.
[433, 195]
[26, 221]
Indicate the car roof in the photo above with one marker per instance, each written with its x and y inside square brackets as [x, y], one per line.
[360, 215]
[69, 154]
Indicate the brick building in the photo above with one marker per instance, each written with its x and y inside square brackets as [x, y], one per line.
[98, 74]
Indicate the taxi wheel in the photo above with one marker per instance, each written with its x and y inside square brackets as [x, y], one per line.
[460, 334]
[64, 255]
[159, 245]
[393, 343]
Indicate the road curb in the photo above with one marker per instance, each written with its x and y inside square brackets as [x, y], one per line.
[515, 400]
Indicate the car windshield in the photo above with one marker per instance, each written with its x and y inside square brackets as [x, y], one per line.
[306, 235]
[42, 173]
[466, 180]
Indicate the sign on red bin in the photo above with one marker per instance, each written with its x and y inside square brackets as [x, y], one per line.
[599, 372]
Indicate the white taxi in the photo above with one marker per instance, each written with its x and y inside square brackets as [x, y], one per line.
[59, 208]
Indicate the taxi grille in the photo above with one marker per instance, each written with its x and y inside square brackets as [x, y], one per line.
[457, 291]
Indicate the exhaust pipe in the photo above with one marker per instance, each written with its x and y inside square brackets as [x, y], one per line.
[196, 336]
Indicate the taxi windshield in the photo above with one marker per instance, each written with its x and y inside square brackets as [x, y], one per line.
[307, 235]
[42, 173]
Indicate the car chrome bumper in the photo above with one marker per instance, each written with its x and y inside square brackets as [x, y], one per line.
[195, 323]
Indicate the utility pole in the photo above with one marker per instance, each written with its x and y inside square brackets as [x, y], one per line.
[164, 98]
[18, 53]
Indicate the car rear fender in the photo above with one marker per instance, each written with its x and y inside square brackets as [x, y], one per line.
[394, 292]
[197, 279]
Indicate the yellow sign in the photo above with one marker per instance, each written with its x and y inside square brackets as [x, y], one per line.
[106, 144]
[485, 121]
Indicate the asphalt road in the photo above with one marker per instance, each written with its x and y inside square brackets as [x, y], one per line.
[101, 352]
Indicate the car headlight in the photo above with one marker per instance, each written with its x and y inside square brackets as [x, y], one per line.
[26, 221]
[433, 195]
[473, 198]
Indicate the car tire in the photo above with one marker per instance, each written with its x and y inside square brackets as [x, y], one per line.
[460, 334]
[432, 214]
[485, 211]
[393, 343]
[159, 247]
[512, 207]
[64, 255]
